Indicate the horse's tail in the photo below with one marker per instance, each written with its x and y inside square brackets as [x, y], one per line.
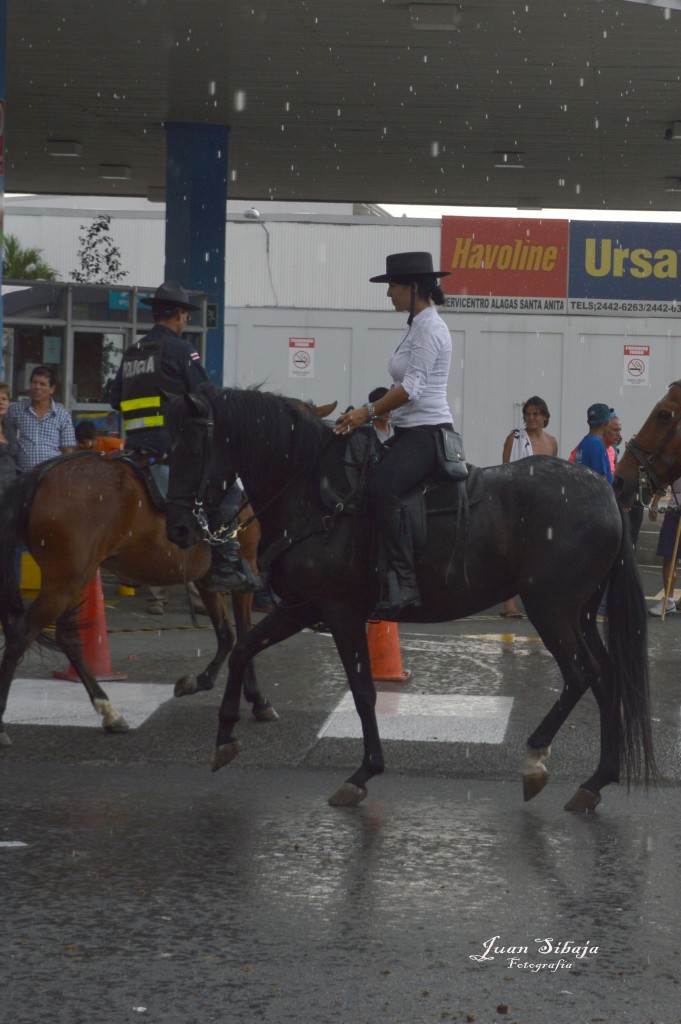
[15, 506]
[628, 648]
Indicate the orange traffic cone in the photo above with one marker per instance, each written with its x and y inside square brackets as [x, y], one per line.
[94, 638]
[384, 651]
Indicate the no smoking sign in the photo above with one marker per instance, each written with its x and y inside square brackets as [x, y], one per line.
[301, 357]
[636, 364]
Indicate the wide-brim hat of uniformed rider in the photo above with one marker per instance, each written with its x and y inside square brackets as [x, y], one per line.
[409, 266]
[170, 293]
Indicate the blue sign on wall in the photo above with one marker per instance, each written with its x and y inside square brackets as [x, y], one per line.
[624, 267]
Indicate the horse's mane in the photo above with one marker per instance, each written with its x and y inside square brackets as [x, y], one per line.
[292, 433]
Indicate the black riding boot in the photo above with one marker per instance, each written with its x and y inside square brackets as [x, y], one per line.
[225, 570]
[229, 571]
[398, 545]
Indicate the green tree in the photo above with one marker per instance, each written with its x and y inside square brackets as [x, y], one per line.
[24, 264]
[99, 259]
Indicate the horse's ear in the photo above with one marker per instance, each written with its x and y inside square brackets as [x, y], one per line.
[196, 406]
[325, 410]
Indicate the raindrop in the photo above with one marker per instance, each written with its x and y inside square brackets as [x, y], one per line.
[578, 189]
[435, 149]
[212, 87]
[240, 99]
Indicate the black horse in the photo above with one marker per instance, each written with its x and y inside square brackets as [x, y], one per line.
[544, 529]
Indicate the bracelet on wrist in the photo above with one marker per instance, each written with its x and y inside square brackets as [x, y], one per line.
[369, 406]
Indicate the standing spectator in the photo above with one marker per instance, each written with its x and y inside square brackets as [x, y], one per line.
[8, 457]
[8, 441]
[89, 440]
[44, 428]
[665, 547]
[531, 439]
[612, 439]
[382, 424]
[591, 450]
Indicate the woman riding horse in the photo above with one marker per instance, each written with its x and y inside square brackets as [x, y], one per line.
[419, 367]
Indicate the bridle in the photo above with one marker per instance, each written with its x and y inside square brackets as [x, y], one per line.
[646, 457]
[234, 526]
[196, 502]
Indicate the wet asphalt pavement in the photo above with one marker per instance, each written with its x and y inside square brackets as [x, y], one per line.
[137, 885]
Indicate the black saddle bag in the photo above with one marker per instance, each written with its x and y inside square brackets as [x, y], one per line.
[450, 455]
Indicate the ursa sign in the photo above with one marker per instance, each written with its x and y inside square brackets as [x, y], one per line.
[616, 266]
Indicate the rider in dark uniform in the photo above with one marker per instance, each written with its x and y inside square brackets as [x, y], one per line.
[160, 364]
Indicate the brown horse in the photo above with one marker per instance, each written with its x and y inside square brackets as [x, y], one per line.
[652, 459]
[88, 510]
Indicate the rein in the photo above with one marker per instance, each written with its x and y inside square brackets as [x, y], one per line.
[228, 531]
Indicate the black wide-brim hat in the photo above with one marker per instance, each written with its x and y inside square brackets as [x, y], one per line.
[409, 265]
[170, 293]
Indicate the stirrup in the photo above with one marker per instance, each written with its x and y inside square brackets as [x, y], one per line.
[223, 580]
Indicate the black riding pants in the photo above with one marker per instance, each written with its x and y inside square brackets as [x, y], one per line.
[409, 459]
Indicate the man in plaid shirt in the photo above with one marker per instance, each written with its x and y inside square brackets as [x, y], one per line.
[44, 427]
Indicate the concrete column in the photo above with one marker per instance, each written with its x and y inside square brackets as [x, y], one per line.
[196, 215]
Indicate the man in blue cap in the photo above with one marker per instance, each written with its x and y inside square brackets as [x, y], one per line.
[591, 450]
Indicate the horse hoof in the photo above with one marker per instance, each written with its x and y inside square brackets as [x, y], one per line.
[348, 795]
[117, 725]
[5, 741]
[224, 754]
[583, 800]
[533, 784]
[185, 686]
[264, 712]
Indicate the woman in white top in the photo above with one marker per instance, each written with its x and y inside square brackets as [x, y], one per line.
[419, 367]
[531, 439]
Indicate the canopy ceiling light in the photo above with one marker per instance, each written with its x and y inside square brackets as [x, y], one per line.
[674, 5]
[673, 131]
[114, 172]
[509, 159]
[440, 17]
[64, 147]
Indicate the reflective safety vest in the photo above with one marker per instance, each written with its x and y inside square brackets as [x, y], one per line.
[142, 402]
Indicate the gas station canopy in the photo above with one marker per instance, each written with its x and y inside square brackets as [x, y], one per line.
[544, 103]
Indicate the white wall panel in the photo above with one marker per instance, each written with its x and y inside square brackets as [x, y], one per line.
[319, 288]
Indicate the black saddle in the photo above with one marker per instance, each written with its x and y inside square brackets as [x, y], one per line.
[152, 469]
[456, 486]
[453, 489]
